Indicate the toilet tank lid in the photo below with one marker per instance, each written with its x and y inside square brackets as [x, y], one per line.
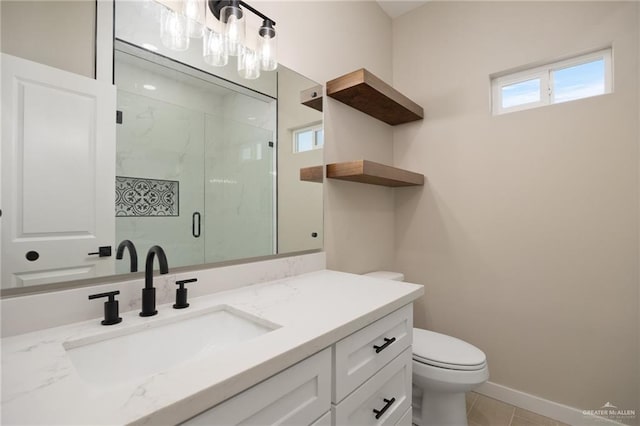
[387, 275]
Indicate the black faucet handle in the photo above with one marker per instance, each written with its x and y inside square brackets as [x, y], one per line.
[111, 307]
[181, 283]
[181, 293]
[109, 294]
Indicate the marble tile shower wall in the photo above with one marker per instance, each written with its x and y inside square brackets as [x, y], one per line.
[213, 142]
[159, 140]
[242, 196]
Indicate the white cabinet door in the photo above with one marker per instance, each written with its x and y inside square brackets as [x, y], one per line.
[296, 396]
[324, 420]
[406, 419]
[58, 178]
[381, 400]
[360, 355]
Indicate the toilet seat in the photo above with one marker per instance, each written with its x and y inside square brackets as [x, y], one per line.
[440, 350]
[449, 366]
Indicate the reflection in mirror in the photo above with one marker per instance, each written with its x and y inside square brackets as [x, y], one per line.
[195, 164]
[300, 141]
[198, 169]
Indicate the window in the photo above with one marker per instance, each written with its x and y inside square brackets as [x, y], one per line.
[308, 138]
[575, 78]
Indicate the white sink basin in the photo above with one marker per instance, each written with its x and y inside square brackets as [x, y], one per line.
[126, 354]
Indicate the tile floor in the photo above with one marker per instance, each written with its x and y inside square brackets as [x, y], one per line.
[485, 411]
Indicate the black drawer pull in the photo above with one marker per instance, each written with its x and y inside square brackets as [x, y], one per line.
[389, 403]
[387, 342]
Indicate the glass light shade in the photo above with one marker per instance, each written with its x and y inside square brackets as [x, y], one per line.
[173, 30]
[214, 48]
[193, 10]
[234, 28]
[268, 48]
[249, 64]
[153, 9]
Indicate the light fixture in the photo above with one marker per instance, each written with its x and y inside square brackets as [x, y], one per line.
[214, 48]
[248, 63]
[194, 11]
[267, 46]
[173, 30]
[232, 17]
[227, 38]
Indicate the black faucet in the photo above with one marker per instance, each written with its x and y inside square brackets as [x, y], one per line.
[149, 291]
[133, 254]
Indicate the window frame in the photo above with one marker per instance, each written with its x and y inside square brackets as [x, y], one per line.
[314, 128]
[545, 74]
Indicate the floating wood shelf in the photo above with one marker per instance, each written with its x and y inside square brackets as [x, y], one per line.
[312, 97]
[364, 171]
[312, 174]
[367, 93]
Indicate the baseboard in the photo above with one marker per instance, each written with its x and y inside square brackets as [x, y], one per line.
[544, 407]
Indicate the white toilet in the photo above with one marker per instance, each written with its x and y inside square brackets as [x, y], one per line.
[444, 369]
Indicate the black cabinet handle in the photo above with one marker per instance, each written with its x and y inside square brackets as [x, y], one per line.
[104, 251]
[387, 405]
[387, 342]
[195, 220]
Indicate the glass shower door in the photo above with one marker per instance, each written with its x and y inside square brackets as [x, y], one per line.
[240, 182]
[159, 184]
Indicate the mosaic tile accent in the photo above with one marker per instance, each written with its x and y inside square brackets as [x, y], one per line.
[141, 197]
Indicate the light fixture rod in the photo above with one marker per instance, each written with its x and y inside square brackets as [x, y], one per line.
[257, 12]
[216, 5]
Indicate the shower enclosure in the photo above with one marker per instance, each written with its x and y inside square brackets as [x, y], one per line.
[195, 164]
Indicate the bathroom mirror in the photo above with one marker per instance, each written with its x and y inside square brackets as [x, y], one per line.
[205, 167]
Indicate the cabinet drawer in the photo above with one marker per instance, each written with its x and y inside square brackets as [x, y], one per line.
[324, 420]
[406, 419]
[390, 388]
[296, 396]
[356, 359]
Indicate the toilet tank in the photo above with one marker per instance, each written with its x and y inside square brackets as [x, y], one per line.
[387, 275]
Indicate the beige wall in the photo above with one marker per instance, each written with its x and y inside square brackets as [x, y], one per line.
[324, 40]
[638, 122]
[56, 33]
[526, 233]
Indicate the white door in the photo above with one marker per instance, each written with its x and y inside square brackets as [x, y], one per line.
[58, 174]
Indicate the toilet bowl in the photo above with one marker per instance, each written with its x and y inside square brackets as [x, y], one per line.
[444, 369]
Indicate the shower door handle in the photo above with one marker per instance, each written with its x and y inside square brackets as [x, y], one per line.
[195, 224]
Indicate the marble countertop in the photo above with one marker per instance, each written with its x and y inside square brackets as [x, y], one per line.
[41, 386]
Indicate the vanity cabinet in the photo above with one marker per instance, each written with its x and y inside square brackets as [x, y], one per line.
[381, 400]
[359, 356]
[372, 371]
[296, 396]
[363, 379]
[324, 420]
